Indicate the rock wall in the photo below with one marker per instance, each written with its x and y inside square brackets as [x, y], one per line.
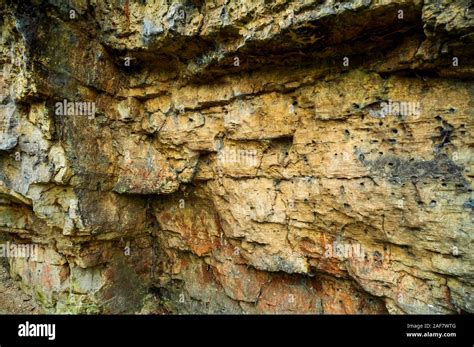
[220, 156]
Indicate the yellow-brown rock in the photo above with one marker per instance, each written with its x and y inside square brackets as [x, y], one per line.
[239, 156]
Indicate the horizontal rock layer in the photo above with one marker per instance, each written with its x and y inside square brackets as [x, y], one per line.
[239, 156]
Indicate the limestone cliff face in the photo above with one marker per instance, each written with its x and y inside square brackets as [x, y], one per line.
[251, 156]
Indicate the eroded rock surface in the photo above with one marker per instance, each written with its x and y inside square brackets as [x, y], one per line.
[240, 156]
